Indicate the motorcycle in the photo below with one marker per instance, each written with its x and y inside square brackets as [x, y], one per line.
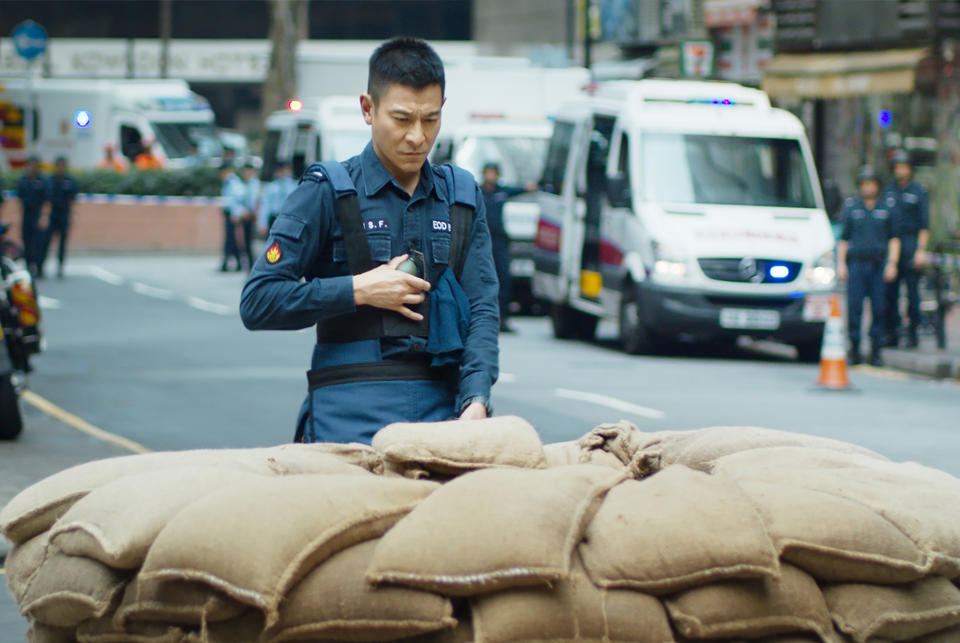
[20, 335]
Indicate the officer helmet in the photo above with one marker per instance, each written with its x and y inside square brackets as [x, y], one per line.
[901, 156]
[867, 173]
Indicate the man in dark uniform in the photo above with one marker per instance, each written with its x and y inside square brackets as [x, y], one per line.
[33, 192]
[867, 255]
[63, 191]
[365, 249]
[912, 224]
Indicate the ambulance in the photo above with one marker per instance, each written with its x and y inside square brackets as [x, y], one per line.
[683, 210]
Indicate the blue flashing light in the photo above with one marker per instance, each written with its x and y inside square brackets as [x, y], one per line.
[711, 101]
[884, 117]
[82, 119]
[778, 271]
[796, 295]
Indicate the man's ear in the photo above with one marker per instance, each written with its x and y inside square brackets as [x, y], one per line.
[366, 107]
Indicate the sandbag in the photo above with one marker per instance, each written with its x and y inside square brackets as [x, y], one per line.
[247, 627]
[334, 601]
[908, 495]
[22, 563]
[833, 538]
[103, 630]
[40, 633]
[176, 602]
[676, 529]
[492, 529]
[67, 590]
[895, 612]
[117, 523]
[456, 446]
[569, 610]
[752, 608]
[561, 454]
[37, 507]
[220, 540]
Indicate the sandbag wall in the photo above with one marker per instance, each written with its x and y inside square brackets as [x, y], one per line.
[475, 531]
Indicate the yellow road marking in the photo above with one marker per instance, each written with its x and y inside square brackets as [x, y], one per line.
[81, 425]
[884, 373]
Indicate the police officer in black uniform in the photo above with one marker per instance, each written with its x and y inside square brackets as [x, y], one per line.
[867, 255]
[389, 256]
[912, 223]
[33, 192]
[63, 191]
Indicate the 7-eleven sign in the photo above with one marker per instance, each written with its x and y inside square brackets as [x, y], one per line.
[696, 58]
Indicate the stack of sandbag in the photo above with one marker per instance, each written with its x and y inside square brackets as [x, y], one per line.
[475, 531]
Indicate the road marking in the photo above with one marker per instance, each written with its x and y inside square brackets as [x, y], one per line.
[97, 272]
[152, 291]
[83, 426]
[208, 306]
[883, 373]
[48, 303]
[612, 402]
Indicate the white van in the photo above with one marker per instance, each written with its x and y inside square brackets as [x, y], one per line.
[78, 118]
[325, 129]
[683, 210]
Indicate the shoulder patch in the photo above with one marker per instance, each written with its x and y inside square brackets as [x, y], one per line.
[314, 175]
[273, 253]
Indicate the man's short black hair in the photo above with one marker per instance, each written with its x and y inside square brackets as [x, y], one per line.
[226, 166]
[404, 61]
[490, 165]
[61, 159]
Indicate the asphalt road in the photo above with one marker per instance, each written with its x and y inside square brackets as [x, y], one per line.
[152, 349]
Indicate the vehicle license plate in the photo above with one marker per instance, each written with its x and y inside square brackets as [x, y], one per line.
[521, 267]
[749, 318]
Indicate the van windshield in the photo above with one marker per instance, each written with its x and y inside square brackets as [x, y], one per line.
[343, 144]
[728, 170]
[176, 138]
[520, 159]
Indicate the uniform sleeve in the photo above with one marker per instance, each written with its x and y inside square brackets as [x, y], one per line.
[846, 223]
[275, 296]
[924, 209]
[479, 366]
[513, 190]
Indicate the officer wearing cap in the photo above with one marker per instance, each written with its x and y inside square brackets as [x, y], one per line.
[912, 223]
[867, 255]
[63, 191]
[274, 195]
[33, 192]
[389, 256]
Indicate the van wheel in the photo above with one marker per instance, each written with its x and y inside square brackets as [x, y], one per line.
[570, 323]
[635, 338]
[808, 351]
[11, 422]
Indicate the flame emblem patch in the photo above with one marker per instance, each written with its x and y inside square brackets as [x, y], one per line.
[273, 253]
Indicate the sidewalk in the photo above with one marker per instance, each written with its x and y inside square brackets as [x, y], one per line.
[927, 359]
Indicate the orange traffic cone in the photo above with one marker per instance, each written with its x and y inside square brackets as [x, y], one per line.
[833, 353]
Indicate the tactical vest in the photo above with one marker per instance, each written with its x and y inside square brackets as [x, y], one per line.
[368, 322]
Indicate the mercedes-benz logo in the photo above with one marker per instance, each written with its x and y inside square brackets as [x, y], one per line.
[748, 270]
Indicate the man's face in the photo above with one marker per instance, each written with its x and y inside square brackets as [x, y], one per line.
[248, 173]
[869, 189]
[33, 167]
[490, 176]
[61, 167]
[404, 124]
[903, 172]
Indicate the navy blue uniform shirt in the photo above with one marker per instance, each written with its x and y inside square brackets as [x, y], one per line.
[303, 277]
[868, 231]
[33, 192]
[913, 208]
[494, 201]
[63, 190]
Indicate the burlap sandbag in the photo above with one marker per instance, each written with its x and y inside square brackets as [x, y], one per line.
[833, 538]
[492, 529]
[895, 612]
[67, 590]
[676, 529]
[752, 608]
[559, 454]
[908, 495]
[38, 506]
[176, 602]
[254, 542]
[117, 523]
[334, 601]
[247, 627]
[569, 610]
[462, 445]
[103, 630]
[22, 563]
[40, 633]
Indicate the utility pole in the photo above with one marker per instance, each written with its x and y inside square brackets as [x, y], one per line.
[166, 19]
[587, 40]
[287, 24]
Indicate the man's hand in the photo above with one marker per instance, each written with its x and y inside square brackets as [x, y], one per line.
[388, 288]
[890, 271]
[919, 259]
[842, 272]
[475, 411]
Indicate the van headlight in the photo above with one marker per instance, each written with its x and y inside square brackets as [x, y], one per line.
[668, 261]
[823, 271]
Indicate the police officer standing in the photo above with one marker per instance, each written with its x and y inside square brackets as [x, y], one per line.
[912, 224]
[389, 256]
[233, 196]
[33, 192]
[251, 203]
[274, 195]
[495, 195]
[63, 191]
[867, 255]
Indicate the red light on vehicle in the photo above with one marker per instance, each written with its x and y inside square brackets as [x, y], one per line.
[294, 105]
[548, 236]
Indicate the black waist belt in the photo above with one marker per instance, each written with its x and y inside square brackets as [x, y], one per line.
[866, 256]
[386, 371]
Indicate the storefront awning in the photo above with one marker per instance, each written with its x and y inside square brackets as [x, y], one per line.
[837, 75]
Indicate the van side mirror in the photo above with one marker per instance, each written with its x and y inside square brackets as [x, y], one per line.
[618, 191]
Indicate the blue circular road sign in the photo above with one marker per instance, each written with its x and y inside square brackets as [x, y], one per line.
[29, 39]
